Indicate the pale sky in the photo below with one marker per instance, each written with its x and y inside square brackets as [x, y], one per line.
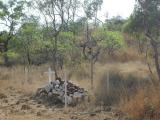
[114, 7]
[122, 8]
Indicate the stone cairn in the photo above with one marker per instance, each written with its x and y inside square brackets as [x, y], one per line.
[54, 93]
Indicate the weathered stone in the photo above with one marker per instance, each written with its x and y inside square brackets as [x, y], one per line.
[25, 107]
[92, 114]
[39, 113]
[2, 96]
[108, 109]
[54, 93]
[5, 101]
[73, 117]
[61, 118]
[18, 102]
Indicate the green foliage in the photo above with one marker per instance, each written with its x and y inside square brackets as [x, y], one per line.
[57, 37]
[144, 21]
[109, 40]
[114, 24]
[78, 26]
[3, 36]
[67, 49]
[144, 17]
[12, 54]
[28, 39]
[11, 12]
[65, 42]
[10, 17]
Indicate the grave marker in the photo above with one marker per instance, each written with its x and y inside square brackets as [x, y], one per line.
[50, 72]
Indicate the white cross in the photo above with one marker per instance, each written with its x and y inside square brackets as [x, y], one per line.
[50, 72]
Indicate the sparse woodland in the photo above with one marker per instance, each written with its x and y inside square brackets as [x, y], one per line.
[38, 34]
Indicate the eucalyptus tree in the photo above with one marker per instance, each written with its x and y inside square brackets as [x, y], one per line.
[28, 40]
[146, 20]
[57, 14]
[91, 8]
[10, 16]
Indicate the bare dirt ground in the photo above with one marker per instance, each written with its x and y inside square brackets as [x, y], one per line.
[16, 105]
[16, 102]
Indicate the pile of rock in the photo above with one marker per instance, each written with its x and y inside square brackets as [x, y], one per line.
[54, 93]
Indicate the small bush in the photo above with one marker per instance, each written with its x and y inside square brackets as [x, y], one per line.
[120, 87]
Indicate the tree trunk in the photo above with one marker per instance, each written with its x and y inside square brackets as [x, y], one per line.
[91, 74]
[28, 58]
[55, 57]
[149, 67]
[6, 59]
[92, 69]
[140, 46]
[95, 21]
[156, 58]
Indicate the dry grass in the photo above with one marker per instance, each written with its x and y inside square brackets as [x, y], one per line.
[135, 68]
[144, 105]
[120, 87]
[135, 107]
[81, 71]
[16, 77]
[124, 55]
[129, 54]
[28, 82]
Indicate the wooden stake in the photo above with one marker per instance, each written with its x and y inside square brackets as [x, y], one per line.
[108, 86]
[65, 90]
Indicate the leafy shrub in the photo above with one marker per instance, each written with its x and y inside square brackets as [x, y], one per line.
[108, 40]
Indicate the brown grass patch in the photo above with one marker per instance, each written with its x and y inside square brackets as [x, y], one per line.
[144, 105]
[120, 87]
[129, 54]
[16, 77]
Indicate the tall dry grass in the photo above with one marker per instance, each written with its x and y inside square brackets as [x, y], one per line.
[126, 83]
[120, 88]
[129, 54]
[123, 55]
[27, 80]
[136, 96]
[145, 105]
